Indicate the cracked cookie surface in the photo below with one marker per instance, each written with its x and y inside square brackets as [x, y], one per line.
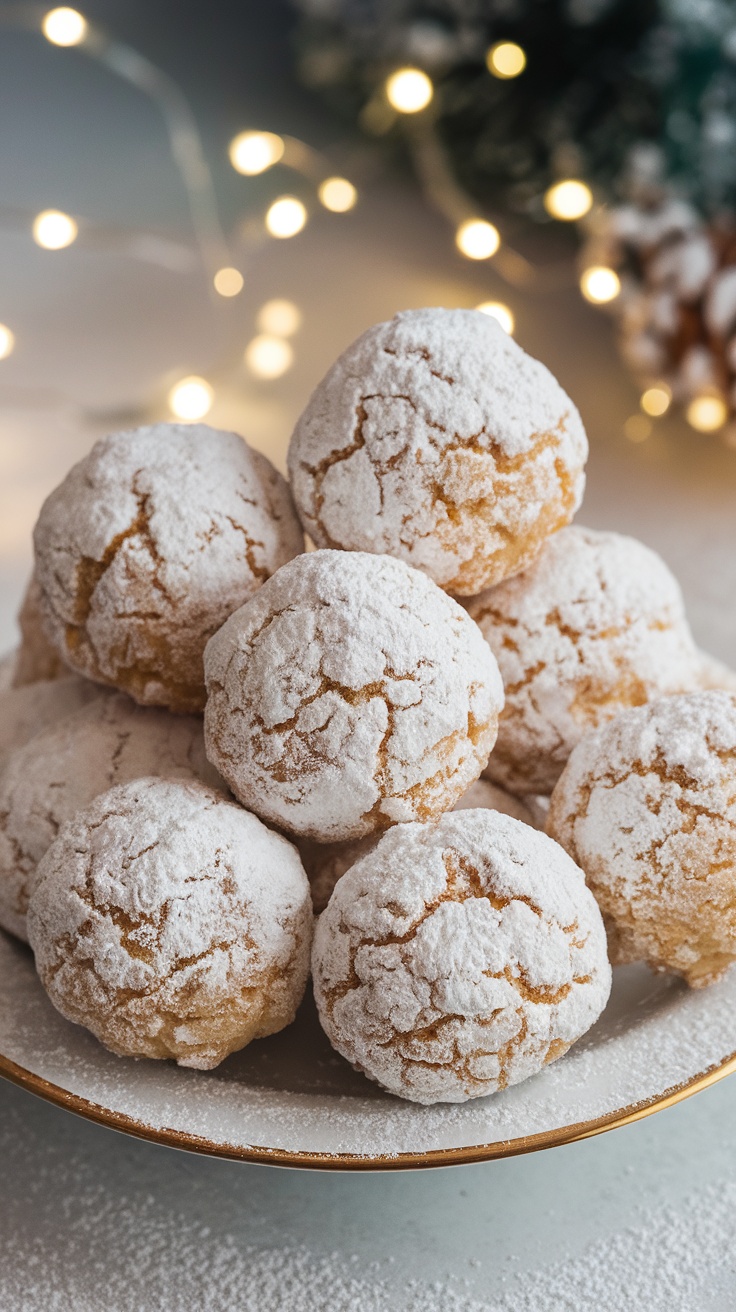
[149, 544]
[350, 694]
[25, 711]
[62, 768]
[595, 625]
[171, 923]
[647, 807]
[436, 439]
[460, 957]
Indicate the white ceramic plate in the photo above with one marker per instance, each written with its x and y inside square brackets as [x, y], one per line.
[291, 1100]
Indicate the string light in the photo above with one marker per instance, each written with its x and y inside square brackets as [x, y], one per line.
[338, 195]
[500, 312]
[254, 152]
[54, 230]
[268, 357]
[505, 59]
[279, 318]
[286, 217]
[706, 413]
[637, 428]
[228, 281]
[600, 284]
[409, 90]
[477, 239]
[64, 27]
[568, 200]
[191, 398]
[7, 341]
[655, 401]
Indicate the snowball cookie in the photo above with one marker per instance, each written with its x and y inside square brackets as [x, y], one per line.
[437, 439]
[459, 957]
[597, 623]
[171, 923]
[65, 766]
[348, 695]
[647, 807]
[7, 670]
[325, 863]
[149, 544]
[25, 711]
[714, 674]
[37, 656]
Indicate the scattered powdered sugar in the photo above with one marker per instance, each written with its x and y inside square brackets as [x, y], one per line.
[459, 958]
[596, 624]
[351, 693]
[37, 656]
[26, 711]
[62, 768]
[435, 438]
[149, 544]
[171, 923]
[647, 807]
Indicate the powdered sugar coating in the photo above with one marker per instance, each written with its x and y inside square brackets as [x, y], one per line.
[149, 544]
[62, 768]
[350, 694]
[37, 656]
[25, 711]
[647, 807]
[325, 863]
[435, 438]
[458, 958]
[171, 923]
[596, 624]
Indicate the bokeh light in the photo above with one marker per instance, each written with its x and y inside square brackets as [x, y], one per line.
[7, 341]
[707, 413]
[600, 284]
[268, 357]
[477, 239]
[568, 200]
[409, 90]
[279, 318]
[53, 230]
[254, 152]
[286, 217]
[228, 281]
[655, 401]
[338, 195]
[500, 312]
[191, 398]
[506, 59]
[64, 27]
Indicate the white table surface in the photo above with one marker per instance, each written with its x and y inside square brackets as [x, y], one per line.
[91, 1219]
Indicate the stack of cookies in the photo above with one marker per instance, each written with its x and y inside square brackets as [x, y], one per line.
[216, 735]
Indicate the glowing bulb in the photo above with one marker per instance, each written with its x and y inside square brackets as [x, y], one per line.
[655, 401]
[191, 398]
[268, 357]
[64, 27]
[505, 59]
[500, 312]
[228, 281]
[286, 217]
[477, 239]
[7, 341]
[599, 284]
[409, 90]
[279, 318]
[637, 428]
[254, 152]
[706, 413]
[568, 200]
[338, 195]
[54, 230]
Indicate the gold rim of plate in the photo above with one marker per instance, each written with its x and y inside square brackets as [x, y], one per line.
[194, 1143]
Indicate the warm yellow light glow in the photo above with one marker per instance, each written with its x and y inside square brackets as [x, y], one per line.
[254, 152]
[505, 59]
[268, 357]
[64, 27]
[599, 284]
[500, 312]
[637, 428]
[338, 195]
[568, 200]
[54, 230]
[477, 239]
[279, 318]
[7, 341]
[706, 413]
[409, 90]
[228, 281]
[656, 400]
[286, 217]
[191, 398]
